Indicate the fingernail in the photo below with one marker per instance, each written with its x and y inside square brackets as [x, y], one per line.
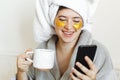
[31, 52]
[29, 60]
[77, 63]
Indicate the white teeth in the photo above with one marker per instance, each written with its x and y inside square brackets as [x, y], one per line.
[68, 33]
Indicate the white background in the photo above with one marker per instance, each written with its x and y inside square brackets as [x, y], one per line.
[16, 19]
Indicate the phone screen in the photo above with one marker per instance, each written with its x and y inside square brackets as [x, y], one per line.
[85, 50]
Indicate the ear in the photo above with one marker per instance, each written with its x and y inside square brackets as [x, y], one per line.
[92, 5]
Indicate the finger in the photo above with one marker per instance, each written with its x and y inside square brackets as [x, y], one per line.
[28, 50]
[23, 56]
[27, 63]
[73, 77]
[23, 68]
[91, 64]
[78, 74]
[93, 69]
[22, 61]
[29, 53]
[84, 69]
[22, 64]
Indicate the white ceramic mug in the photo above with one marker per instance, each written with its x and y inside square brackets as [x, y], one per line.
[43, 59]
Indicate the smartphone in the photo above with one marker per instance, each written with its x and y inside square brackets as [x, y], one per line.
[85, 50]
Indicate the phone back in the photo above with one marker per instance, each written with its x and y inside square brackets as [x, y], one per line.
[86, 50]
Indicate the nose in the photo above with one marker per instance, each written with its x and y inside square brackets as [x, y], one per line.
[69, 24]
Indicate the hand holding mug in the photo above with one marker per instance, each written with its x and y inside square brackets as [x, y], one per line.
[43, 59]
[22, 63]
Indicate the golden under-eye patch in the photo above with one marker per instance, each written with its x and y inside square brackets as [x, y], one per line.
[77, 26]
[59, 23]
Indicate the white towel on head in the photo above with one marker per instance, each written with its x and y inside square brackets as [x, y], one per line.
[42, 28]
[92, 5]
[46, 11]
[79, 6]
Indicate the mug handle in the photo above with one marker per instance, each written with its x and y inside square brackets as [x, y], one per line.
[29, 53]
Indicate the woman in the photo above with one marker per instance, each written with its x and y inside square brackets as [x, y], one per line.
[69, 36]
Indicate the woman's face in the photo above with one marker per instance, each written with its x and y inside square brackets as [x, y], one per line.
[68, 25]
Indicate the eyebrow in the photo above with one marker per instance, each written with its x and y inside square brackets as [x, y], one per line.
[77, 17]
[61, 16]
[73, 17]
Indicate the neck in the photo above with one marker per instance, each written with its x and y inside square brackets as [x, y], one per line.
[65, 48]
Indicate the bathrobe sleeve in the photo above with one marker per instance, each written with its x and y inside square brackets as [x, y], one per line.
[107, 71]
[31, 73]
[104, 64]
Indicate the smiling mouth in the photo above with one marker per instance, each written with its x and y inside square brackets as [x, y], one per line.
[68, 33]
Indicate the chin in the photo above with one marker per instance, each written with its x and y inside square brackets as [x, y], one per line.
[68, 40]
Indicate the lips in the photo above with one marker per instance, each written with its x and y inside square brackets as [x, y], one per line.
[68, 33]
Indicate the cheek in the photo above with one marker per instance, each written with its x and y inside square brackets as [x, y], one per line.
[59, 23]
[57, 30]
[77, 26]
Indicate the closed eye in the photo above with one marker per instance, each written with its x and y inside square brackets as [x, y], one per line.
[77, 19]
[62, 19]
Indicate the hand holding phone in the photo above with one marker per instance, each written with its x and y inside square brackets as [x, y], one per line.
[85, 50]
